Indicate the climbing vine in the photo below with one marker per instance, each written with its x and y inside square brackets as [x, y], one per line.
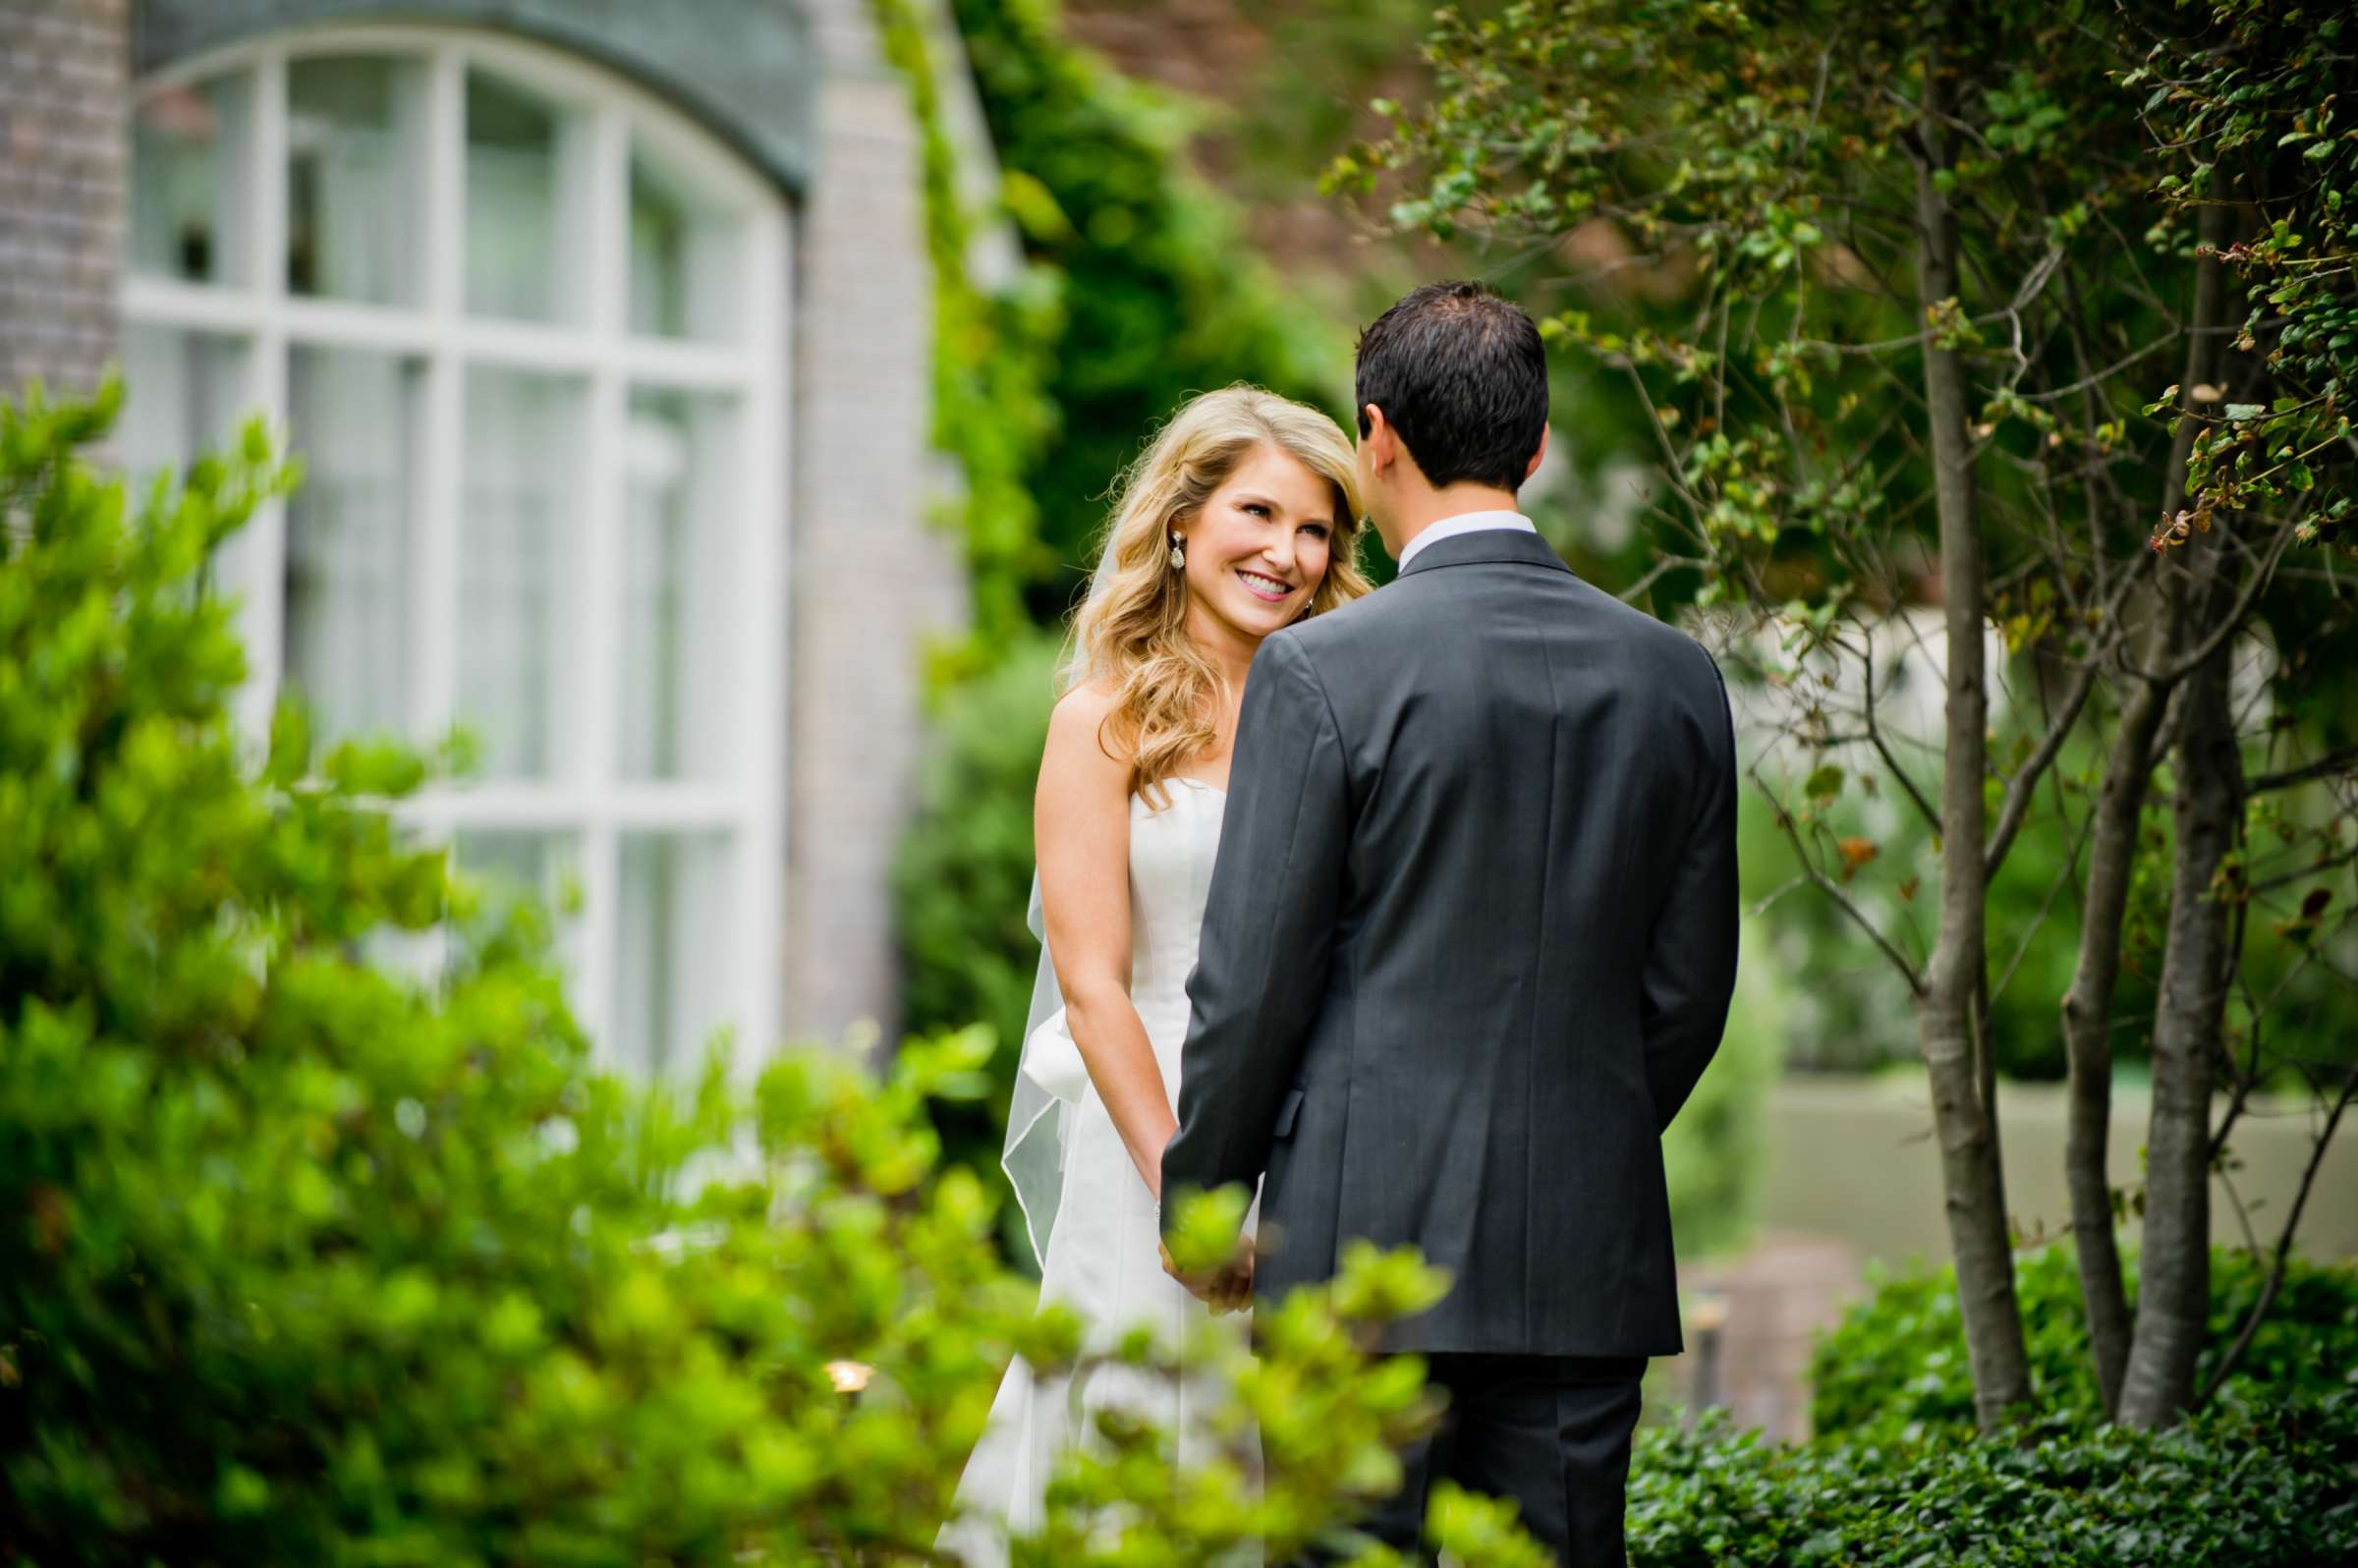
[1138, 288]
[991, 413]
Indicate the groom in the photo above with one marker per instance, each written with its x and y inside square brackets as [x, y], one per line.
[1471, 938]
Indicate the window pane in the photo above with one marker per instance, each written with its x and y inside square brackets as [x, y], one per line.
[351, 537]
[674, 962]
[354, 139]
[189, 151]
[678, 463]
[684, 258]
[517, 864]
[513, 201]
[516, 566]
[184, 393]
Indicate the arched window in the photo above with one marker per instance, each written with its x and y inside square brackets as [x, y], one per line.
[525, 325]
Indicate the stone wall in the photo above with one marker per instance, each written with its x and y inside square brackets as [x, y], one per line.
[873, 577]
[63, 159]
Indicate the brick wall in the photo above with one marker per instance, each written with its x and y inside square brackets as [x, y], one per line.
[63, 159]
[871, 576]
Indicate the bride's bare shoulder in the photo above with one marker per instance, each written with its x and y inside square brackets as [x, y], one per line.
[1093, 700]
[1079, 737]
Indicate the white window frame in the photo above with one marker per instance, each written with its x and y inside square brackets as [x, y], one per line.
[749, 803]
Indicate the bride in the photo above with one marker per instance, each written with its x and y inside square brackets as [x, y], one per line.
[1241, 518]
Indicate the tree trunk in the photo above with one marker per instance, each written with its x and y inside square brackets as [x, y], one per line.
[2112, 856]
[1950, 1029]
[2088, 1034]
[2174, 1296]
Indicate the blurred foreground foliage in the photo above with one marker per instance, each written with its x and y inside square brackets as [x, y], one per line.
[306, 1260]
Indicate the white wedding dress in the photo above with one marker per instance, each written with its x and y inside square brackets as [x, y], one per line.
[1103, 1259]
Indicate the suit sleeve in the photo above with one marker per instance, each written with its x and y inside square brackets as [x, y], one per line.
[1690, 970]
[1268, 926]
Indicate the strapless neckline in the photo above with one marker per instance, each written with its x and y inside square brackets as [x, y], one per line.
[1182, 778]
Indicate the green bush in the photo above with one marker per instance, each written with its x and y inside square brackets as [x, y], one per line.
[302, 1261]
[962, 880]
[1895, 1365]
[2250, 1480]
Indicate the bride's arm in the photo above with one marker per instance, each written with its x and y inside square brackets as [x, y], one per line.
[1080, 832]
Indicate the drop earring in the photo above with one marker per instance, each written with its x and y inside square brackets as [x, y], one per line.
[1178, 553]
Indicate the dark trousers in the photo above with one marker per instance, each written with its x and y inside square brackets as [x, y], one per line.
[1550, 1432]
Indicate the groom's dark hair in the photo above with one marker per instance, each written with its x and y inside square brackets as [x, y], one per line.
[1461, 375]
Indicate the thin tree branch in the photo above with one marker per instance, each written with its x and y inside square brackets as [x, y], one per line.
[1875, 734]
[1668, 563]
[2067, 876]
[2343, 762]
[2304, 872]
[2232, 621]
[2275, 1282]
[2025, 781]
[1833, 890]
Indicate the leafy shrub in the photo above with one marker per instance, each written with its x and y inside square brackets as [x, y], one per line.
[1895, 1364]
[962, 880]
[305, 1261]
[2252, 1481]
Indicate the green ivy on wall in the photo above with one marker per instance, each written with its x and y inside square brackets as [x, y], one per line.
[990, 410]
[1163, 294]
[1138, 290]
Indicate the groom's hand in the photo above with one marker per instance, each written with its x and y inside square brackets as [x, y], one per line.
[1225, 1289]
[1197, 1281]
[1233, 1292]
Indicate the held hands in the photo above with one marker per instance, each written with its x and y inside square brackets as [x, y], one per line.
[1209, 1223]
[1225, 1289]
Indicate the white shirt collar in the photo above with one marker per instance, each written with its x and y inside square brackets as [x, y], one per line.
[1449, 528]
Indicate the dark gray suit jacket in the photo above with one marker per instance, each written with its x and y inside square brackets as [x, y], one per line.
[1470, 941]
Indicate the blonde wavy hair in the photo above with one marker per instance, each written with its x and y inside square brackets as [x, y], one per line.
[1132, 631]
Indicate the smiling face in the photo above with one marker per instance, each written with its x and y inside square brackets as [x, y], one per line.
[1258, 549]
